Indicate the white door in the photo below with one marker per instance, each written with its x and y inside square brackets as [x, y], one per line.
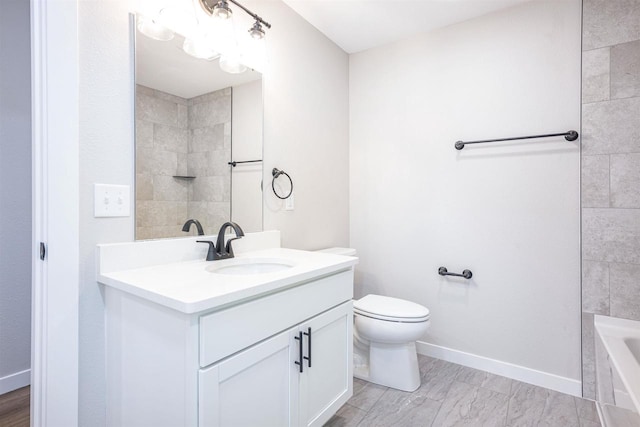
[255, 388]
[327, 381]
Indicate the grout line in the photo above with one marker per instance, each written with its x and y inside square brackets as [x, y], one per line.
[608, 294]
[506, 419]
[575, 407]
[610, 208]
[609, 178]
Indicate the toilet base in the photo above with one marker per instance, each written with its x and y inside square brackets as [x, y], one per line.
[397, 365]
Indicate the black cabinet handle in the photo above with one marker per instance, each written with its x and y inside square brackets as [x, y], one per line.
[299, 338]
[308, 359]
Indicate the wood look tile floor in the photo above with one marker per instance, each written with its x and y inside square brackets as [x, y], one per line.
[14, 408]
[454, 395]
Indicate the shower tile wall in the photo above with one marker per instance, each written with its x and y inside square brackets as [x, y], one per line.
[176, 136]
[162, 141]
[610, 168]
[209, 153]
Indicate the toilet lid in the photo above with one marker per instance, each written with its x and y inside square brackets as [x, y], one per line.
[388, 308]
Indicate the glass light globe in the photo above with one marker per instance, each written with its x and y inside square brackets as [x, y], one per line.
[180, 20]
[153, 30]
[198, 49]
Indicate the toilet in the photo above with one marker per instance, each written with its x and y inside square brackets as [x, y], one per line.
[384, 338]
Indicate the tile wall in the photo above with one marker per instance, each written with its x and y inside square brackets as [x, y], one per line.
[209, 154]
[610, 168]
[181, 137]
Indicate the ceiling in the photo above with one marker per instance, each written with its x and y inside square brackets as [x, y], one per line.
[164, 66]
[357, 25]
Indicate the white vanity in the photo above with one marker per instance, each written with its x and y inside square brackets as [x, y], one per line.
[263, 339]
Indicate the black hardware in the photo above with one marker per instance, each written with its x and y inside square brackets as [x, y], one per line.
[276, 173]
[43, 251]
[233, 164]
[253, 15]
[467, 274]
[308, 359]
[223, 251]
[187, 226]
[208, 6]
[571, 135]
[219, 250]
[299, 338]
[211, 253]
[188, 177]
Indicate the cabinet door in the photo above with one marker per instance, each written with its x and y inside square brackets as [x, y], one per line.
[256, 387]
[328, 383]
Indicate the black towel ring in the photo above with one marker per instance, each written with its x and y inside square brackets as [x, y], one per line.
[276, 173]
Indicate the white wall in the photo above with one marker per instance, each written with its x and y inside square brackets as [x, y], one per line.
[106, 156]
[507, 211]
[15, 195]
[306, 130]
[306, 133]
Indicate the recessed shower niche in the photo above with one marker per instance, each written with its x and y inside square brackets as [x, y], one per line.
[193, 121]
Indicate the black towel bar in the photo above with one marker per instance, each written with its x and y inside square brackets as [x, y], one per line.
[571, 135]
[233, 164]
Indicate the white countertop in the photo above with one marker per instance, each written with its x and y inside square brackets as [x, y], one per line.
[189, 288]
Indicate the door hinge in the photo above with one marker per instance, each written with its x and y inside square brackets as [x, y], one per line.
[43, 251]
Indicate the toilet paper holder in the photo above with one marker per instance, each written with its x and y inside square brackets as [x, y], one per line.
[467, 274]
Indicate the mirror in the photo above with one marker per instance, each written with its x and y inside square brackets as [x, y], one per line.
[192, 121]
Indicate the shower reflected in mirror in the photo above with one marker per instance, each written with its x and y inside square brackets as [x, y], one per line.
[191, 121]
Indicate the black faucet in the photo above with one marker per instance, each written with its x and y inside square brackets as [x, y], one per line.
[219, 250]
[187, 226]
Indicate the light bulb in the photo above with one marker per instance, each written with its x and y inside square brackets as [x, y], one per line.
[256, 32]
[220, 35]
[152, 29]
[222, 10]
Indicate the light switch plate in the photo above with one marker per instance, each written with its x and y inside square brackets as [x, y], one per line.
[289, 203]
[111, 200]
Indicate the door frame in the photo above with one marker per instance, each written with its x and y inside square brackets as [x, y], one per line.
[55, 216]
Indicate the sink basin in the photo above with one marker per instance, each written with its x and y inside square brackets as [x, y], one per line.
[249, 266]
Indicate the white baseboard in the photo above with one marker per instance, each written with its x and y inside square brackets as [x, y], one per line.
[509, 370]
[15, 381]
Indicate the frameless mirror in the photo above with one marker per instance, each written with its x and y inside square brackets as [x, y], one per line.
[198, 142]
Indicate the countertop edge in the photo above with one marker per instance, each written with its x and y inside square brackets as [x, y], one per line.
[220, 301]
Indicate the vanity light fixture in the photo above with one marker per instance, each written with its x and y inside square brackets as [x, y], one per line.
[220, 9]
[206, 38]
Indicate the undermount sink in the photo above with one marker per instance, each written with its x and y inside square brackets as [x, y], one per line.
[248, 266]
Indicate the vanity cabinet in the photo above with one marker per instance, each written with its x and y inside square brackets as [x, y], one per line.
[233, 365]
[327, 380]
[299, 377]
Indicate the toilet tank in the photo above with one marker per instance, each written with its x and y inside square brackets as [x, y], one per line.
[339, 251]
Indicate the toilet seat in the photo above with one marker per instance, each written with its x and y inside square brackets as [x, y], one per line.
[390, 309]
